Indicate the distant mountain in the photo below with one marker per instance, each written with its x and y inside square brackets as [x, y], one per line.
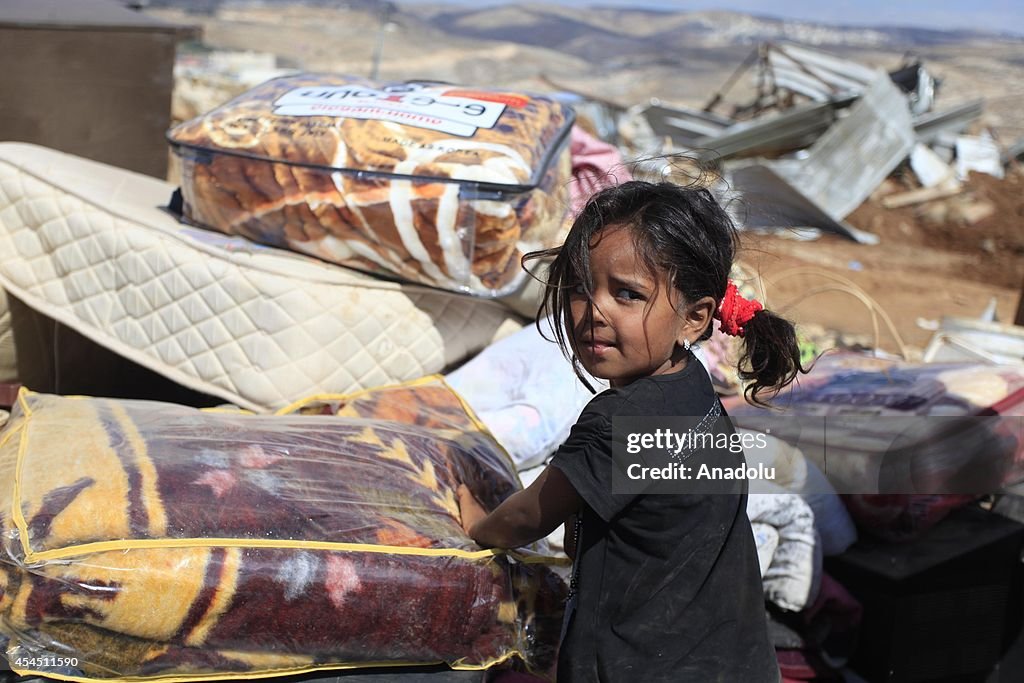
[549, 25]
[602, 32]
[211, 6]
[611, 37]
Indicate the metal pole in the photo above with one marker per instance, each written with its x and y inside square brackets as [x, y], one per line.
[744, 65]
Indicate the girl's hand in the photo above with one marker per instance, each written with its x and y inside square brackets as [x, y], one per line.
[469, 507]
[523, 517]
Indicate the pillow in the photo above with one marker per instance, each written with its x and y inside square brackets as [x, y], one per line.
[526, 392]
[906, 442]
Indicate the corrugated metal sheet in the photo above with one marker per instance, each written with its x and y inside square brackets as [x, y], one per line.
[839, 171]
[815, 74]
[850, 160]
[684, 125]
[769, 201]
[793, 129]
[950, 122]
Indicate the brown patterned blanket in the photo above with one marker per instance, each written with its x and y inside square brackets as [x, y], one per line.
[432, 183]
[144, 539]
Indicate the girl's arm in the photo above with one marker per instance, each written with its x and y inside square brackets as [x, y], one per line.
[523, 517]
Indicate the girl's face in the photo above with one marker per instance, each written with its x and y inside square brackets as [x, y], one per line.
[631, 328]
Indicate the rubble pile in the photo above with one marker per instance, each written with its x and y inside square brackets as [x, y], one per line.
[922, 193]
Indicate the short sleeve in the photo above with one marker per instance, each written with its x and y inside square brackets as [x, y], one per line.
[586, 460]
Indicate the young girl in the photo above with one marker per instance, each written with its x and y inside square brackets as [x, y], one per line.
[664, 587]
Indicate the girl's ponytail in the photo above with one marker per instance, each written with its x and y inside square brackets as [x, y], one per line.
[771, 356]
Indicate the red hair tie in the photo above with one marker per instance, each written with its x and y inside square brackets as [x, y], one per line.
[735, 311]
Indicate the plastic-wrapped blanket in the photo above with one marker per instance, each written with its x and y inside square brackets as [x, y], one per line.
[151, 540]
[906, 443]
[436, 184]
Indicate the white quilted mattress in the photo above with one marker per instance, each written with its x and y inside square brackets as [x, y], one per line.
[86, 244]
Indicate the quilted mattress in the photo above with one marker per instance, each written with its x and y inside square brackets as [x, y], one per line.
[88, 245]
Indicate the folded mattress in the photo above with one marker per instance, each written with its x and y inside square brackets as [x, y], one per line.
[90, 246]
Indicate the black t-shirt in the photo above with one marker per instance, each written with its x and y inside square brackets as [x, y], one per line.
[668, 587]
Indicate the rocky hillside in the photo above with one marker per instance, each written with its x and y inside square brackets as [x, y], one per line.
[624, 55]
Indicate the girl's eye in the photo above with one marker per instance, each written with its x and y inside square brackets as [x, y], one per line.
[629, 294]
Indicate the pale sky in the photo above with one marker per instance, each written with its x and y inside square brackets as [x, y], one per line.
[989, 15]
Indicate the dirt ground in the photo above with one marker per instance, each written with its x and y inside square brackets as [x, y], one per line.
[930, 262]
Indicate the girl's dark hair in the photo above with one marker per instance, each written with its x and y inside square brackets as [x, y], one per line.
[685, 232]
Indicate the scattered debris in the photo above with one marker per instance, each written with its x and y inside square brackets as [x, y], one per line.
[770, 201]
[964, 339]
[973, 212]
[930, 169]
[683, 125]
[925, 194]
[822, 135]
[856, 154]
[939, 129]
[978, 154]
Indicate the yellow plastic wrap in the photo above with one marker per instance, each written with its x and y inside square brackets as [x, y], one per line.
[145, 540]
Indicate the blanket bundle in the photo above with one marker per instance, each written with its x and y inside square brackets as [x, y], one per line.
[143, 539]
[437, 184]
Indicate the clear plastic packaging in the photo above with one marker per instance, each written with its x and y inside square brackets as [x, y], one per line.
[436, 184]
[145, 540]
